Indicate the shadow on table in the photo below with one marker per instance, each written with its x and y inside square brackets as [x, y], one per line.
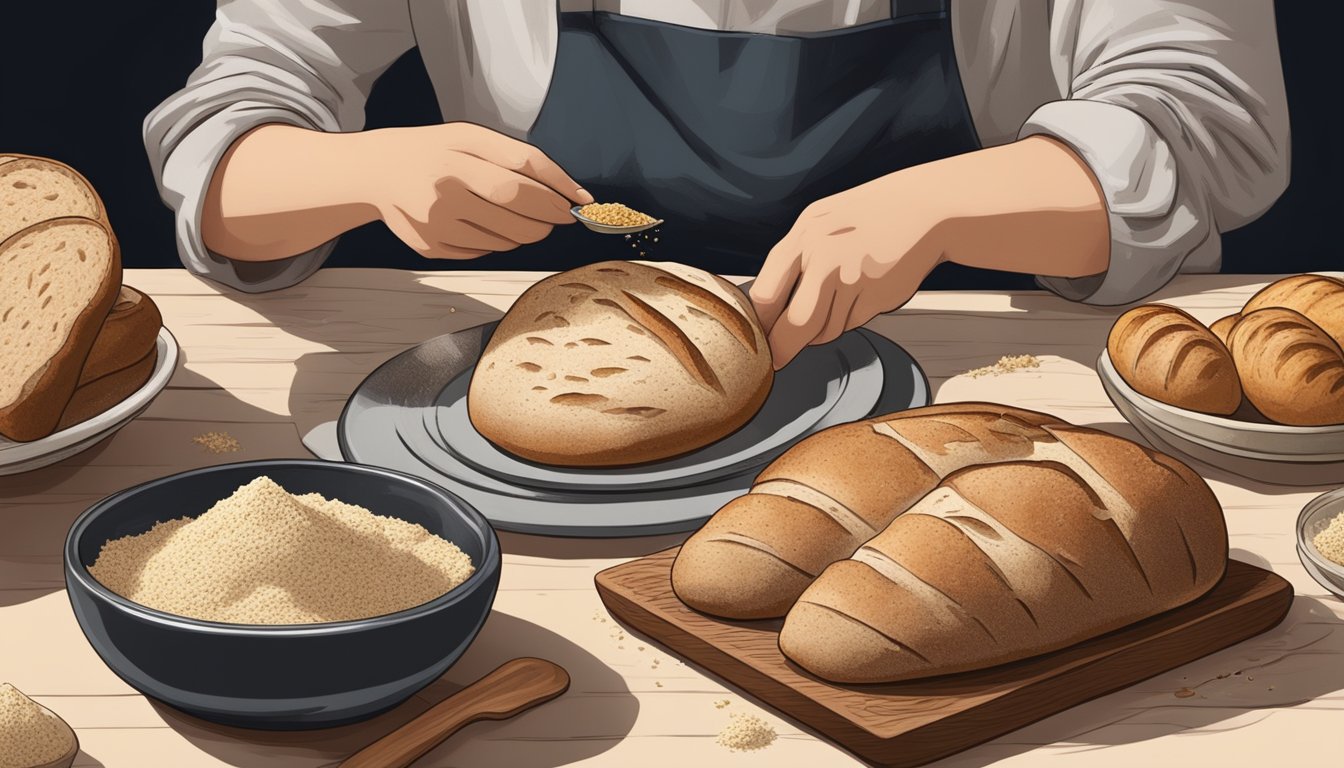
[593, 716]
[84, 760]
[1289, 665]
[581, 549]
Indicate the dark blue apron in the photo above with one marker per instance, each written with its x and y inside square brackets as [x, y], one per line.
[728, 136]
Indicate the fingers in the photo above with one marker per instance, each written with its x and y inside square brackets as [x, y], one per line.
[523, 159]
[770, 292]
[511, 191]
[502, 222]
[838, 321]
[805, 316]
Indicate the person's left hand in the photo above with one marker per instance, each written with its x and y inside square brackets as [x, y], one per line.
[848, 258]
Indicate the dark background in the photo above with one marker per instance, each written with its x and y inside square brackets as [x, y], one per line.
[80, 96]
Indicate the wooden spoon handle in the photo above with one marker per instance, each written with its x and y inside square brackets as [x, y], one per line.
[512, 688]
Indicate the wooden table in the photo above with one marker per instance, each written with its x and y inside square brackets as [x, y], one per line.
[267, 368]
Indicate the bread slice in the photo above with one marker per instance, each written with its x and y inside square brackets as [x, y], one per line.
[97, 395]
[58, 281]
[35, 189]
[127, 335]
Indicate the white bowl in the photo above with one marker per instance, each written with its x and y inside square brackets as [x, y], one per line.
[1316, 515]
[25, 457]
[1271, 453]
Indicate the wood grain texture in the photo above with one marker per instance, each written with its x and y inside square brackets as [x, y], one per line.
[268, 367]
[914, 723]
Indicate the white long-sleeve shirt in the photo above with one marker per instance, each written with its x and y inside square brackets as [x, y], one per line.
[1177, 107]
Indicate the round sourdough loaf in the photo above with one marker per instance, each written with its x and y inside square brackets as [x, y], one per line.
[1291, 369]
[620, 363]
[1319, 298]
[1167, 355]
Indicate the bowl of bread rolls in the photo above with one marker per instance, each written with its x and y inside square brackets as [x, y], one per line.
[1259, 393]
[81, 354]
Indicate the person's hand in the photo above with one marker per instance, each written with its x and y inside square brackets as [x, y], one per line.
[458, 191]
[847, 259]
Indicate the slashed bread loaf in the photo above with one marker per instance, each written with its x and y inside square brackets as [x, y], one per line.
[1006, 561]
[35, 189]
[620, 363]
[1167, 355]
[823, 498]
[1292, 370]
[58, 280]
[1223, 326]
[1319, 298]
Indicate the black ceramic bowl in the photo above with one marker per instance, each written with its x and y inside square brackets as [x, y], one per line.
[281, 677]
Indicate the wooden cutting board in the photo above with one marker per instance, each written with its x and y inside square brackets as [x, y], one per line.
[913, 723]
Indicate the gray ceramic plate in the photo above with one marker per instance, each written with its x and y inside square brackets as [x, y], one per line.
[409, 415]
[1272, 453]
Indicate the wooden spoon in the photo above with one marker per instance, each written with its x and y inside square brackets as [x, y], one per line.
[516, 686]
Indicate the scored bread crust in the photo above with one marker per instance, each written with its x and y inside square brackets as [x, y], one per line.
[95, 396]
[127, 335]
[1291, 369]
[42, 397]
[1223, 326]
[1166, 354]
[1006, 561]
[827, 495]
[620, 363]
[1319, 298]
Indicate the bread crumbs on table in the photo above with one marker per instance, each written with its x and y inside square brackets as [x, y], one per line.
[1006, 364]
[218, 442]
[746, 733]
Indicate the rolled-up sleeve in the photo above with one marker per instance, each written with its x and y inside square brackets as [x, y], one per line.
[1178, 109]
[309, 63]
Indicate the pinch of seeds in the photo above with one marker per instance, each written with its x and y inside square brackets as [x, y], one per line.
[1006, 364]
[218, 442]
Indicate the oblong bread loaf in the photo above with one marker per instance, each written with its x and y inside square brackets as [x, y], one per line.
[1292, 370]
[831, 492]
[58, 280]
[1006, 561]
[127, 335]
[35, 189]
[620, 363]
[1320, 298]
[1223, 326]
[1166, 354]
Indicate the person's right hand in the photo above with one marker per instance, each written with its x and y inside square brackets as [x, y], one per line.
[458, 191]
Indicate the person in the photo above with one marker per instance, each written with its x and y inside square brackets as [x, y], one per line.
[839, 148]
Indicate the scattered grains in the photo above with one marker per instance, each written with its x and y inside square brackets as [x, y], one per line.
[264, 556]
[1330, 541]
[615, 214]
[1006, 364]
[29, 734]
[658, 683]
[1184, 693]
[217, 442]
[745, 733]
[721, 703]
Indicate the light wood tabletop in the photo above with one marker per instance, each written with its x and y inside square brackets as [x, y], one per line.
[267, 368]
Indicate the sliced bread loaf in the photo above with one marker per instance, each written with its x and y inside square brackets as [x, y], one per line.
[35, 189]
[58, 281]
[97, 395]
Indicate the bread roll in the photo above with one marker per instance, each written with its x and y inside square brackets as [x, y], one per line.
[128, 334]
[620, 363]
[1006, 561]
[1223, 326]
[1293, 372]
[1317, 297]
[830, 493]
[1167, 355]
[95, 396]
[58, 280]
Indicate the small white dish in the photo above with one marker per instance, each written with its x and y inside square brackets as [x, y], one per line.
[24, 457]
[1315, 517]
[610, 229]
[1272, 453]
